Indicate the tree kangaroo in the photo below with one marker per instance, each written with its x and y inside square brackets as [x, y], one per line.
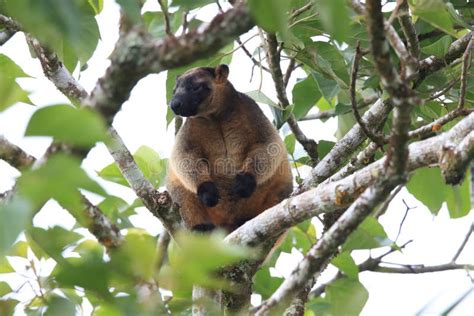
[228, 163]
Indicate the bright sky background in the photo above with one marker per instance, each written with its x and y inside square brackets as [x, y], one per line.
[142, 122]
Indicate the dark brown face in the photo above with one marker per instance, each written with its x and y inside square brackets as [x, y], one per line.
[192, 90]
[192, 94]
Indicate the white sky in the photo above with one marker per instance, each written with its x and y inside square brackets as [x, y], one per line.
[142, 122]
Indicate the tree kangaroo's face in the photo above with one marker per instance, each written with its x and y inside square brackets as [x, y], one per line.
[192, 94]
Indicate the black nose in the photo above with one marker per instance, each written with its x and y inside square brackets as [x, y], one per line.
[176, 105]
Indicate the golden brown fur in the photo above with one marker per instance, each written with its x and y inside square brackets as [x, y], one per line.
[227, 142]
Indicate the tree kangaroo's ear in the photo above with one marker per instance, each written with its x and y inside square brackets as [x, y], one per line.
[222, 72]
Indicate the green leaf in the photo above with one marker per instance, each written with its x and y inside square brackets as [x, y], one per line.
[335, 18]
[438, 48]
[370, 234]
[435, 12]
[152, 166]
[89, 271]
[324, 147]
[149, 163]
[81, 127]
[131, 8]
[97, 5]
[305, 95]
[155, 23]
[59, 306]
[136, 257]
[263, 283]
[346, 264]
[5, 266]
[434, 194]
[14, 217]
[259, 96]
[271, 15]
[328, 88]
[7, 306]
[458, 198]
[59, 178]
[53, 241]
[112, 207]
[67, 27]
[10, 90]
[297, 238]
[4, 288]
[344, 123]
[20, 249]
[190, 4]
[290, 142]
[213, 253]
[346, 296]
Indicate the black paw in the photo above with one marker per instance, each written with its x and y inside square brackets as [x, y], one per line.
[208, 194]
[244, 185]
[203, 228]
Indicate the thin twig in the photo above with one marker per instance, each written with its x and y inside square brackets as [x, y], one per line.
[443, 91]
[289, 71]
[273, 59]
[466, 63]
[463, 244]
[352, 89]
[383, 208]
[249, 55]
[409, 30]
[301, 10]
[167, 18]
[437, 124]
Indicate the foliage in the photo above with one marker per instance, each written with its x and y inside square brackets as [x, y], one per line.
[321, 40]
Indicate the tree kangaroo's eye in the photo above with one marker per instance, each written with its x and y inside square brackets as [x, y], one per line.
[198, 87]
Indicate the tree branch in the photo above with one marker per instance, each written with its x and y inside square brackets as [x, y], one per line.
[14, 155]
[137, 54]
[159, 204]
[466, 63]
[432, 64]
[352, 91]
[98, 224]
[376, 114]
[273, 59]
[455, 159]
[166, 17]
[55, 71]
[409, 30]
[333, 195]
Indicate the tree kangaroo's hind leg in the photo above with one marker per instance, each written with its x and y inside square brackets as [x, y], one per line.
[192, 210]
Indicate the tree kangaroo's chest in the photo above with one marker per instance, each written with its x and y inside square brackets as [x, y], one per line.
[227, 148]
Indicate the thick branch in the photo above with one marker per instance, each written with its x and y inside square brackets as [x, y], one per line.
[14, 155]
[137, 54]
[320, 254]
[376, 114]
[338, 194]
[159, 204]
[5, 36]
[55, 71]
[432, 64]
[454, 160]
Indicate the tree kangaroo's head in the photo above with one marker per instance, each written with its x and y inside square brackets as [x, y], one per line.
[198, 90]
